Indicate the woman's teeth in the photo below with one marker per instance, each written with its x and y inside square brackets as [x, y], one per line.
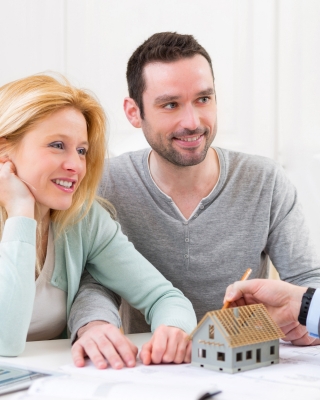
[63, 183]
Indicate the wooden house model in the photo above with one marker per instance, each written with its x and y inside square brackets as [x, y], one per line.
[236, 339]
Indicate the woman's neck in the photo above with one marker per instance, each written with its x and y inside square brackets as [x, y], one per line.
[44, 233]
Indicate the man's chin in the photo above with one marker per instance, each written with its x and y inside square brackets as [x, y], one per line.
[185, 160]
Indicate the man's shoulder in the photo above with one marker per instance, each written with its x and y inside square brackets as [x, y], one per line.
[122, 172]
[237, 159]
[127, 160]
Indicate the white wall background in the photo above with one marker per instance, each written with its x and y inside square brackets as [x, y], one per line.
[266, 58]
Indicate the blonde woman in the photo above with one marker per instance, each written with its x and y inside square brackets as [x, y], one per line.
[52, 148]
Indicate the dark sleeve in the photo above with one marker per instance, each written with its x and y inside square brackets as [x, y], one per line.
[93, 302]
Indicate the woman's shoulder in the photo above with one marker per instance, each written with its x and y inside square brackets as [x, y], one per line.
[95, 217]
[97, 221]
[97, 226]
[99, 209]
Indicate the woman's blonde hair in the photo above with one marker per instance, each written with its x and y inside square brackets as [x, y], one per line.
[25, 102]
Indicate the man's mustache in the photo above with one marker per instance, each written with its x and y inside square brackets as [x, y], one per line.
[187, 132]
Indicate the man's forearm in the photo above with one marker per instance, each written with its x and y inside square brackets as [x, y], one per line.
[93, 303]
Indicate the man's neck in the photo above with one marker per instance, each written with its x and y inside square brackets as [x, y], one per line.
[186, 185]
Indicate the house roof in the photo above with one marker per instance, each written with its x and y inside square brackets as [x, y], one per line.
[243, 325]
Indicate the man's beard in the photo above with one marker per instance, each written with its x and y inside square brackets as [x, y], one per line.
[189, 157]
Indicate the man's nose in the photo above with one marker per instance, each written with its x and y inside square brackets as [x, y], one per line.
[190, 118]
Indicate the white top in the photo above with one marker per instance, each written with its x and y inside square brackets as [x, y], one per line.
[49, 316]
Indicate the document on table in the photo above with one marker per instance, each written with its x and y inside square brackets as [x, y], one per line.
[297, 376]
[156, 382]
[171, 374]
[84, 388]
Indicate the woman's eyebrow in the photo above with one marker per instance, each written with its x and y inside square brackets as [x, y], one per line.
[61, 136]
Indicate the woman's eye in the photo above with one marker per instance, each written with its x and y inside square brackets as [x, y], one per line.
[82, 151]
[57, 145]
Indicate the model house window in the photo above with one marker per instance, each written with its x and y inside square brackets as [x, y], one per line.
[211, 331]
[272, 350]
[258, 355]
[239, 357]
[248, 355]
[202, 353]
[220, 356]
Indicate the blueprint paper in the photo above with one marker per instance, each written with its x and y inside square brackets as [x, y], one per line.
[297, 376]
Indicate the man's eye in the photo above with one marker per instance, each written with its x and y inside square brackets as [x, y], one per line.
[57, 145]
[204, 99]
[170, 106]
[82, 151]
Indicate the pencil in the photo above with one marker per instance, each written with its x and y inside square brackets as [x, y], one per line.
[244, 277]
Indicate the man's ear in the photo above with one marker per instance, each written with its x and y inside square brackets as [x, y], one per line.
[132, 112]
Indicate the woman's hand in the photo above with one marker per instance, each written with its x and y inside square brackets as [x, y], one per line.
[15, 196]
[105, 345]
[167, 345]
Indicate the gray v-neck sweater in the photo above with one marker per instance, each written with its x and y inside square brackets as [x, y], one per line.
[252, 214]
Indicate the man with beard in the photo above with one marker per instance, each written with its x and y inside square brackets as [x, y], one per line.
[200, 214]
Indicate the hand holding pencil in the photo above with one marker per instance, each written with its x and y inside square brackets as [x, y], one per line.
[244, 277]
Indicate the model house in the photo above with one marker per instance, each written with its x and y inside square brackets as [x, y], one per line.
[236, 339]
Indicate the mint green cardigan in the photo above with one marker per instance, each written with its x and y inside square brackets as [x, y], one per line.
[97, 244]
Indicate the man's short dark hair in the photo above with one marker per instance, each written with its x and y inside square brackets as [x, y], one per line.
[163, 47]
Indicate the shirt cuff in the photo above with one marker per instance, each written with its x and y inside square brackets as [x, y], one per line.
[314, 315]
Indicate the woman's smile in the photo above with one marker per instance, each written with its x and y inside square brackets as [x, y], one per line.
[65, 184]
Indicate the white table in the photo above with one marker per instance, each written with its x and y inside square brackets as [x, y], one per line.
[296, 377]
[49, 355]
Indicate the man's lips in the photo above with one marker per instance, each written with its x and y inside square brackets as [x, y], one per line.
[189, 138]
[189, 141]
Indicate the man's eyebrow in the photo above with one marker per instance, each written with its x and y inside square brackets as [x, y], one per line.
[165, 99]
[207, 92]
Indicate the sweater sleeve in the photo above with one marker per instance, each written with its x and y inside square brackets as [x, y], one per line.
[116, 264]
[93, 302]
[17, 283]
[289, 243]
